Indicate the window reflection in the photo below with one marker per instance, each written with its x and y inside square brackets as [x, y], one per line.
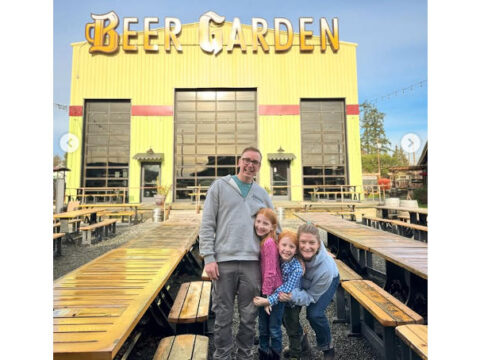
[106, 145]
[211, 127]
[323, 144]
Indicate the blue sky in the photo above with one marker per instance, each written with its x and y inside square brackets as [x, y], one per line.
[391, 52]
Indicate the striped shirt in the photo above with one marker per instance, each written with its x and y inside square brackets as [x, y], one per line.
[292, 272]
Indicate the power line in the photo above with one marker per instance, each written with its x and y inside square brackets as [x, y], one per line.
[399, 92]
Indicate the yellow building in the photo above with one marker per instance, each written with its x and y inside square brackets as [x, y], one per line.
[185, 116]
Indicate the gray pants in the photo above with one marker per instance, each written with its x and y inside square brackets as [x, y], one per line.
[240, 278]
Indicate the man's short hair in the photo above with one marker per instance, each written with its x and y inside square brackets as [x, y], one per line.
[251, 148]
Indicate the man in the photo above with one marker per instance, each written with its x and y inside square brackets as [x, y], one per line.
[231, 252]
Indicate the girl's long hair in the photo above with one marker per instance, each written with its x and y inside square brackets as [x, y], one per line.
[272, 217]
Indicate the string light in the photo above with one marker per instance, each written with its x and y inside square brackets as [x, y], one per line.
[61, 106]
[398, 92]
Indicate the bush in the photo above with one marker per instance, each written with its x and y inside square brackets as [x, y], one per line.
[421, 195]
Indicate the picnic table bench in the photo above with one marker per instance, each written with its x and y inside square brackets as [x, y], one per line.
[355, 195]
[414, 341]
[100, 229]
[183, 347]
[421, 213]
[346, 274]
[402, 228]
[97, 306]
[94, 196]
[191, 307]
[73, 226]
[377, 304]
[130, 215]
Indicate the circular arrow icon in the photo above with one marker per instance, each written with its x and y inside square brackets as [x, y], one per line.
[410, 143]
[69, 142]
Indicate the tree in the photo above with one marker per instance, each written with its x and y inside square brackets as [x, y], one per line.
[57, 160]
[373, 132]
[399, 156]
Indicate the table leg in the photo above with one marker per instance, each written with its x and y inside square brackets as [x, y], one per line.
[423, 219]
[385, 213]
[413, 218]
[135, 220]
[418, 294]
[362, 258]
[64, 229]
[59, 246]
[396, 282]
[344, 254]
[93, 218]
[332, 243]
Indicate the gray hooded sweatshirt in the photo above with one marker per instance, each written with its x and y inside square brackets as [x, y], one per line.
[227, 232]
[319, 273]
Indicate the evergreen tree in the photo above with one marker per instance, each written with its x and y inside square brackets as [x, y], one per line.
[399, 156]
[373, 132]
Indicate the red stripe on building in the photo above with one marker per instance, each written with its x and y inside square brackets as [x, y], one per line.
[75, 110]
[353, 109]
[152, 110]
[279, 109]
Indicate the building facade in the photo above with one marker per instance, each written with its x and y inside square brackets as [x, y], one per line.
[184, 117]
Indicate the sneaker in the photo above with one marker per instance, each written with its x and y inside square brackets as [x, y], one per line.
[329, 354]
[306, 348]
[274, 355]
[263, 355]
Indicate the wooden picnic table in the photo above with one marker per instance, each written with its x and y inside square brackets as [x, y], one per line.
[133, 206]
[69, 215]
[422, 213]
[406, 260]
[97, 306]
[344, 190]
[327, 205]
[167, 236]
[75, 213]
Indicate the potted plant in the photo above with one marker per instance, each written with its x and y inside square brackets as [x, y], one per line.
[162, 192]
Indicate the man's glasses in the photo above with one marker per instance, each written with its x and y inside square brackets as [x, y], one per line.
[250, 161]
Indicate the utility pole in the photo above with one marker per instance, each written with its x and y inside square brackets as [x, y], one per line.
[378, 158]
